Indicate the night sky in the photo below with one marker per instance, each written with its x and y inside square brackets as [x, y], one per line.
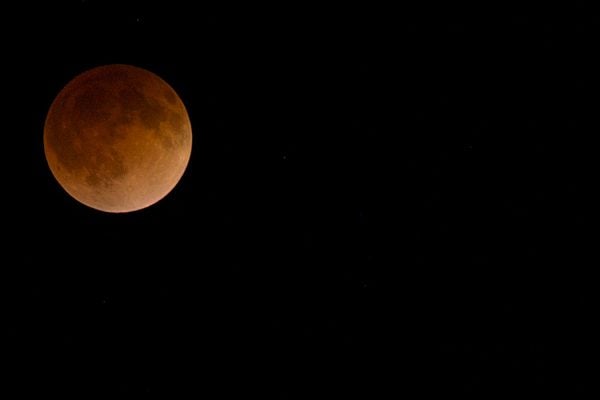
[378, 201]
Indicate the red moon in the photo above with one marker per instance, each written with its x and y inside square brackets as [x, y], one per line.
[117, 138]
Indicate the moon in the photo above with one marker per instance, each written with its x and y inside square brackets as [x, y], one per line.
[117, 138]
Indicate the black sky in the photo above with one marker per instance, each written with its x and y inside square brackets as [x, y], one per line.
[378, 200]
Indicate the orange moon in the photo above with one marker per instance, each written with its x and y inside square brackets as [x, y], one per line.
[117, 138]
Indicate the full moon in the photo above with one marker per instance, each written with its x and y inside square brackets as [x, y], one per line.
[117, 138]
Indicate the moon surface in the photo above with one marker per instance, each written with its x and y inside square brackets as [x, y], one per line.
[117, 138]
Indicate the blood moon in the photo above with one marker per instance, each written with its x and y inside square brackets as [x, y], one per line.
[117, 138]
